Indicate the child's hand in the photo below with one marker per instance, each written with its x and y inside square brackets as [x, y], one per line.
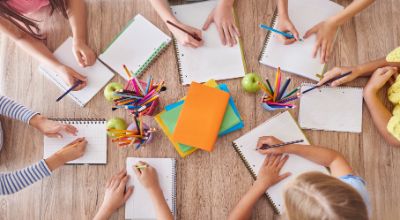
[83, 54]
[379, 78]
[51, 128]
[147, 176]
[325, 32]
[70, 152]
[184, 38]
[222, 16]
[268, 175]
[286, 25]
[337, 71]
[115, 195]
[70, 76]
[270, 140]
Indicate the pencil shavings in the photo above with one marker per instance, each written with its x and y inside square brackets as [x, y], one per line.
[394, 56]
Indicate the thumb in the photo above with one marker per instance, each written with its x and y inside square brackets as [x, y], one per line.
[128, 193]
[294, 32]
[208, 22]
[79, 76]
[313, 30]
[284, 176]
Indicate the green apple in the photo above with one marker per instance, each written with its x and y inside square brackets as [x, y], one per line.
[116, 123]
[110, 89]
[250, 82]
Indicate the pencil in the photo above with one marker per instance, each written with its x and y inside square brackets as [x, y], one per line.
[127, 71]
[292, 92]
[267, 146]
[277, 83]
[77, 83]
[288, 35]
[327, 82]
[270, 87]
[284, 87]
[194, 35]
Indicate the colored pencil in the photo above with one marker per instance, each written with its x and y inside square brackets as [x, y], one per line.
[269, 86]
[194, 35]
[327, 82]
[288, 35]
[267, 146]
[127, 71]
[77, 83]
[264, 89]
[141, 167]
[292, 92]
[284, 87]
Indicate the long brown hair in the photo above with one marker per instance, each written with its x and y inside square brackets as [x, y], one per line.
[26, 24]
[316, 196]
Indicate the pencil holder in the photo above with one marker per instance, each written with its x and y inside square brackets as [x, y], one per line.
[275, 97]
[148, 137]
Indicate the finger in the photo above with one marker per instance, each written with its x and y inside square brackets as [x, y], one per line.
[329, 49]
[79, 76]
[116, 182]
[340, 81]
[123, 183]
[70, 129]
[266, 160]
[79, 58]
[76, 141]
[227, 35]
[272, 159]
[323, 52]
[108, 183]
[282, 161]
[288, 41]
[221, 35]
[128, 193]
[283, 176]
[316, 49]
[233, 34]
[295, 33]
[310, 32]
[188, 44]
[208, 22]
[277, 160]
[236, 29]
[195, 43]
[137, 171]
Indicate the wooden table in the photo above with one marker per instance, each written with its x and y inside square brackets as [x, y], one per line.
[208, 184]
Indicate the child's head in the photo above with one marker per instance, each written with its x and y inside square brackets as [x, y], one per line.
[314, 195]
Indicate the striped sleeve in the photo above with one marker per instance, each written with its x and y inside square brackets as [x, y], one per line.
[12, 109]
[15, 181]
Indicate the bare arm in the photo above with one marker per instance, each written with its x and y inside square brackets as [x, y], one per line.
[160, 204]
[350, 11]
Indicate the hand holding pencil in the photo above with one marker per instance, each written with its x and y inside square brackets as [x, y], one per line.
[186, 35]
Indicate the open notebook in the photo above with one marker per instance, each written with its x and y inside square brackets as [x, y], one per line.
[137, 47]
[95, 133]
[139, 204]
[98, 75]
[211, 61]
[297, 57]
[283, 127]
[331, 108]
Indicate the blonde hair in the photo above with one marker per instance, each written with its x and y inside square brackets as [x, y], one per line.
[316, 196]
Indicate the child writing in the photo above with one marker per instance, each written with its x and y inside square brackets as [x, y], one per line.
[117, 194]
[311, 195]
[325, 30]
[13, 182]
[221, 15]
[17, 22]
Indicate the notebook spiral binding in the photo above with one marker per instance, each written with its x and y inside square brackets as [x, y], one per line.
[80, 120]
[151, 59]
[173, 196]
[339, 87]
[253, 174]
[268, 36]
[178, 60]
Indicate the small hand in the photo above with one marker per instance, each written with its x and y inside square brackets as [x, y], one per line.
[268, 175]
[83, 54]
[325, 32]
[70, 76]
[286, 25]
[379, 78]
[184, 38]
[222, 16]
[270, 140]
[147, 176]
[70, 152]
[337, 71]
[115, 195]
[51, 128]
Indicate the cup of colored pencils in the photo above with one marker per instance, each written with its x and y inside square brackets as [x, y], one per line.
[137, 134]
[139, 97]
[276, 97]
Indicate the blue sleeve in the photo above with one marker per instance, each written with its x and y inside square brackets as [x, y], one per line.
[12, 109]
[13, 182]
[358, 184]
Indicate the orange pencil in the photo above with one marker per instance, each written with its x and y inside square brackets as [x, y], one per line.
[264, 89]
[127, 71]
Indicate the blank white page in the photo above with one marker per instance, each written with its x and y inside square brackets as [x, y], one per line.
[331, 109]
[136, 46]
[283, 127]
[98, 75]
[297, 57]
[139, 204]
[211, 61]
[96, 136]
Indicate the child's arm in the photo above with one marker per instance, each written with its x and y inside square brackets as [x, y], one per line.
[77, 19]
[379, 113]
[15, 181]
[268, 175]
[326, 30]
[37, 49]
[149, 179]
[222, 16]
[163, 10]
[285, 24]
[320, 155]
[115, 195]
[12, 109]
[361, 70]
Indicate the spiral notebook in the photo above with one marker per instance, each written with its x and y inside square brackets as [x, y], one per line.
[331, 108]
[297, 57]
[211, 61]
[139, 204]
[98, 75]
[94, 130]
[137, 46]
[283, 127]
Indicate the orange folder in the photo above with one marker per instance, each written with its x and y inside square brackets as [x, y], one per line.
[201, 117]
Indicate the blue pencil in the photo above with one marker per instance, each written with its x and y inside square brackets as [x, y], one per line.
[290, 36]
[77, 83]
